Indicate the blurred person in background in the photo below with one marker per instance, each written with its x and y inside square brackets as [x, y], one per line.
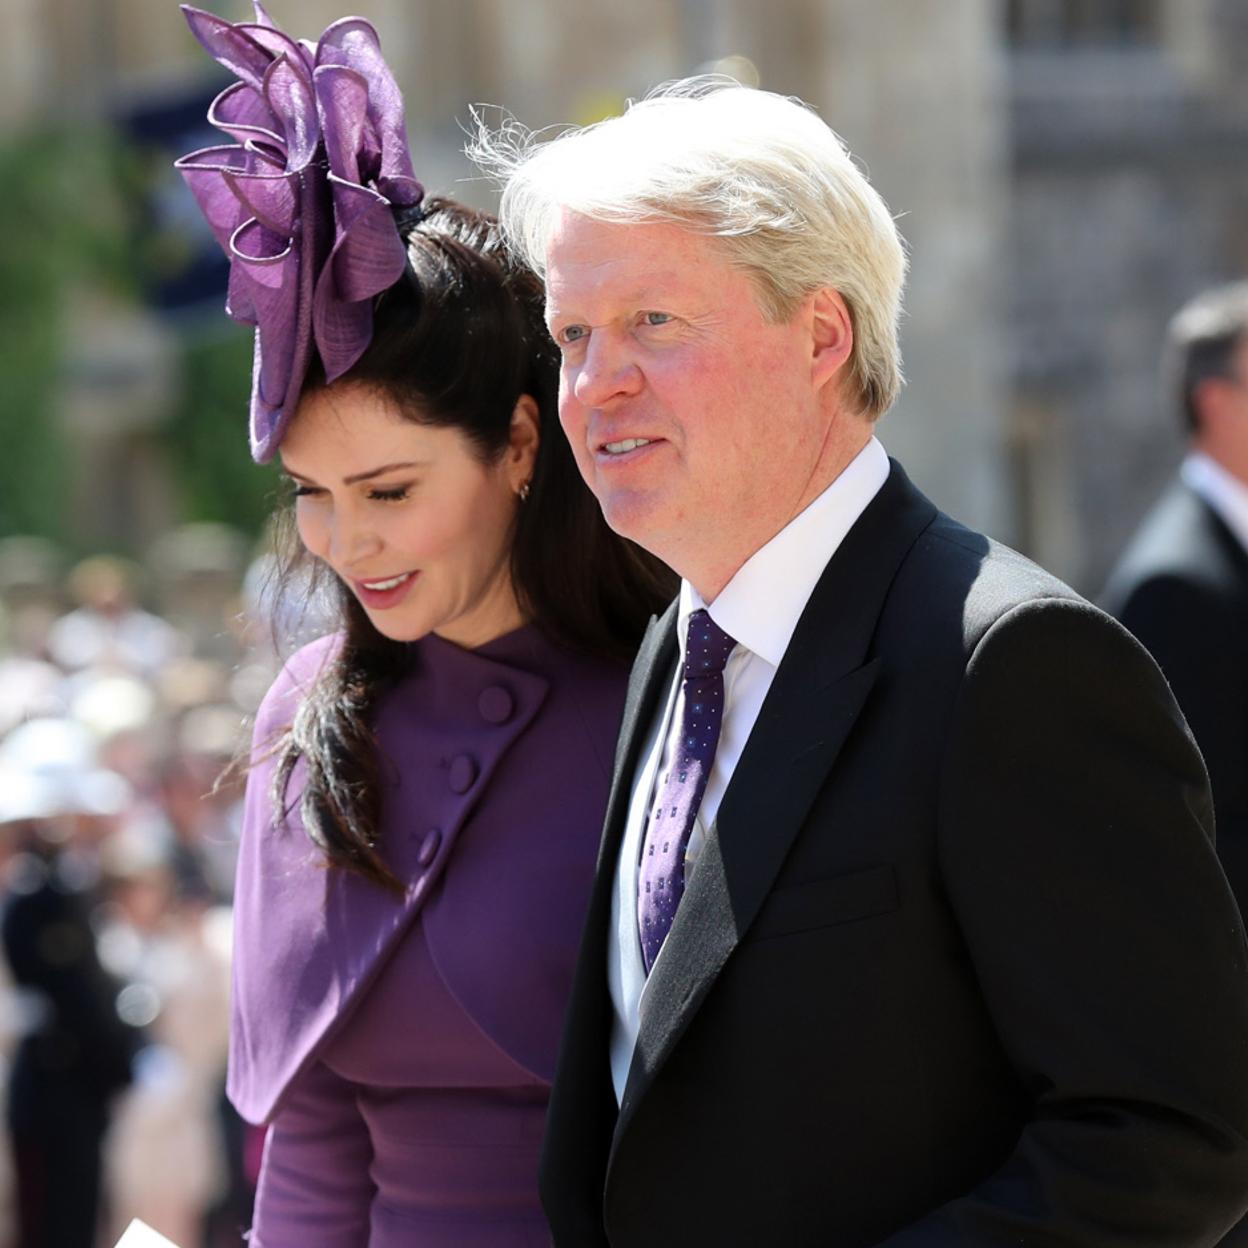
[195, 571]
[1181, 586]
[427, 782]
[76, 1049]
[165, 1156]
[31, 684]
[196, 819]
[31, 573]
[31, 687]
[108, 629]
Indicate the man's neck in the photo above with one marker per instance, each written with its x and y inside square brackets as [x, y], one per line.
[710, 578]
[1232, 458]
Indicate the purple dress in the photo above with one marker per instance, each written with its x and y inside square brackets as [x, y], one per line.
[403, 1047]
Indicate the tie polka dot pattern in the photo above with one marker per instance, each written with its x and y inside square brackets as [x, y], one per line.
[661, 881]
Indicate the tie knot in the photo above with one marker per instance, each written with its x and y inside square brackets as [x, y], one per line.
[707, 646]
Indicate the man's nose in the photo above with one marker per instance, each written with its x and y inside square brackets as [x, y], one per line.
[607, 371]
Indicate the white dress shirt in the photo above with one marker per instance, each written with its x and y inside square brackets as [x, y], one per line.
[1222, 490]
[760, 608]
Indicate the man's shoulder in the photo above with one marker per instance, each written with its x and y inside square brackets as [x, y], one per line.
[941, 585]
[957, 576]
[1182, 545]
[966, 607]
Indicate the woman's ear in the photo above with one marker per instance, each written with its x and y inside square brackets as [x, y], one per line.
[522, 444]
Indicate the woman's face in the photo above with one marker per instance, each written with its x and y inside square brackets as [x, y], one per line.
[410, 518]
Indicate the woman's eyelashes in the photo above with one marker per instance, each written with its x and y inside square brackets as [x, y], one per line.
[390, 493]
[375, 493]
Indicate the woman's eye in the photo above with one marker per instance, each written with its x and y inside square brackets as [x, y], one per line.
[305, 491]
[394, 494]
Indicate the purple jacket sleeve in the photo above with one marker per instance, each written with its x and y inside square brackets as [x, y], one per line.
[315, 1190]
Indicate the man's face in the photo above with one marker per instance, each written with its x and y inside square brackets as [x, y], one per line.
[1222, 403]
[1239, 371]
[695, 422]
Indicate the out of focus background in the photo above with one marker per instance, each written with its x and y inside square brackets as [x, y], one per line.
[1066, 173]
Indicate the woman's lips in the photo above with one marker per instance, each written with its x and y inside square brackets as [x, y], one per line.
[383, 592]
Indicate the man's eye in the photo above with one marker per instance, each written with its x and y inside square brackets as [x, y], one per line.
[394, 494]
[571, 333]
[656, 318]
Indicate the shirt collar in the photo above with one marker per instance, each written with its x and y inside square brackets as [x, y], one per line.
[1222, 490]
[763, 602]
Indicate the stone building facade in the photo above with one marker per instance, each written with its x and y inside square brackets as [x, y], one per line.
[1064, 171]
[1129, 194]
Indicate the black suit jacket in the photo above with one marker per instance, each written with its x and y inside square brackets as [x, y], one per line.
[957, 965]
[1182, 588]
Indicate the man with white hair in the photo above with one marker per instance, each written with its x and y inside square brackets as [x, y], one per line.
[908, 928]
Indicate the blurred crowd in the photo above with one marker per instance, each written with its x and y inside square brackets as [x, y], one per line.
[125, 697]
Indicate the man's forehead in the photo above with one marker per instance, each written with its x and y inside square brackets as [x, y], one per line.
[631, 259]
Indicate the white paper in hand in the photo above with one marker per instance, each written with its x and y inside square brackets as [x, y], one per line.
[140, 1235]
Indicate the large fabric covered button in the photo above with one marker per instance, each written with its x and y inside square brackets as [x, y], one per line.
[429, 847]
[496, 704]
[463, 772]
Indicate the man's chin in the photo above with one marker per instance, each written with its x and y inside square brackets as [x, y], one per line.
[630, 514]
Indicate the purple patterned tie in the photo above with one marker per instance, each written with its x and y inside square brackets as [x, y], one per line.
[662, 878]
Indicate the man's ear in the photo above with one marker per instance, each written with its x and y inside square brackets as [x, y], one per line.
[832, 335]
[522, 442]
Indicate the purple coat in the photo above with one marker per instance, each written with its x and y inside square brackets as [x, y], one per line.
[496, 764]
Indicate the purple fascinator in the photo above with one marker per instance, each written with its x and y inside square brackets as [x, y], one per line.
[302, 200]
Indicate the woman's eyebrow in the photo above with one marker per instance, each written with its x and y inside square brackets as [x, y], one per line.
[377, 472]
[357, 477]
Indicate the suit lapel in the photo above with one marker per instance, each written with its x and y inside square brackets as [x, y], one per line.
[1233, 551]
[820, 688]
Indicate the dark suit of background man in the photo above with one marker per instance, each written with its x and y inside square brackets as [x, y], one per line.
[1182, 585]
[953, 960]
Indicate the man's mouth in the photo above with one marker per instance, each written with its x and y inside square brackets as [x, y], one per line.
[625, 445]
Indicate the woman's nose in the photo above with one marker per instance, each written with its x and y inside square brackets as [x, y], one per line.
[351, 541]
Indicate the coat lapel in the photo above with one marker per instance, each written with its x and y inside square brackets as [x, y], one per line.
[820, 688]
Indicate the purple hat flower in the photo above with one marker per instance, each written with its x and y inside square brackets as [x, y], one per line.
[302, 201]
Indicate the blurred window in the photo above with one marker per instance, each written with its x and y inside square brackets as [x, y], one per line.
[1068, 25]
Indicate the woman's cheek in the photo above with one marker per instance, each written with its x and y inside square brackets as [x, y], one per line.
[310, 526]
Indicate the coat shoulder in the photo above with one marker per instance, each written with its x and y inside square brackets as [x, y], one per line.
[956, 584]
[1180, 544]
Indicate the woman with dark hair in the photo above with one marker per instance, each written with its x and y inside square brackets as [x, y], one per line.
[427, 784]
